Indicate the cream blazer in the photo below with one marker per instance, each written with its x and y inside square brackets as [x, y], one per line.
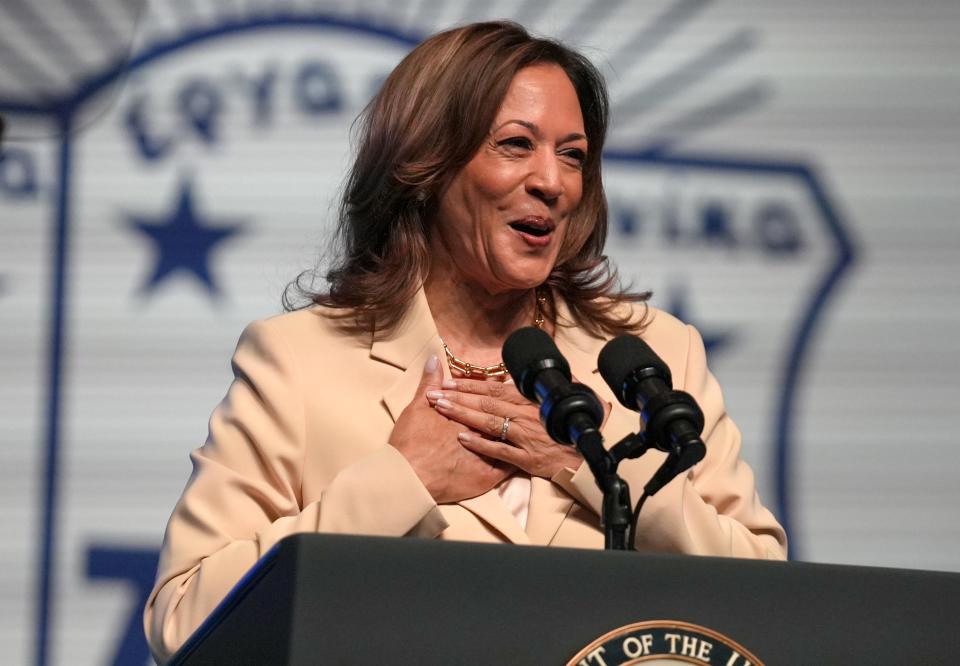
[299, 444]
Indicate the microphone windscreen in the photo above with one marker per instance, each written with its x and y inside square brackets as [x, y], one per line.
[527, 351]
[622, 357]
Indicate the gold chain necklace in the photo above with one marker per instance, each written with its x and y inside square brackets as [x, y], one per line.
[469, 370]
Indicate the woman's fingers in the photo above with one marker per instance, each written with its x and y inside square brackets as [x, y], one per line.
[481, 412]
[503, 426]
[506, 391]
[489, 449]
[486, 418]
[537, 458]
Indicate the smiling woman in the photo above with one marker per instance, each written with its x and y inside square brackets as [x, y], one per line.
[506, 214]
[446, 106]
[475, 206]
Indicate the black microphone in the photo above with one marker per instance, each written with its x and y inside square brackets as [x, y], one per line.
[641, 381]
[572, 414]
[567, 410]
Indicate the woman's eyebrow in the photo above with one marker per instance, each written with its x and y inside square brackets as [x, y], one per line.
[533, 127]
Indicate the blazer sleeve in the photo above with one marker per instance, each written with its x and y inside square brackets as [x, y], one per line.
[244, 494]
[714, 508]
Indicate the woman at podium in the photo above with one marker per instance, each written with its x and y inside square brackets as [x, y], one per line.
[475, 206]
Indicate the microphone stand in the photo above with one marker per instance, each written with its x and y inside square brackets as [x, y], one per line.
[616, 511]
[618, 516]
[571, 413]
[569, 406]
[679, 459]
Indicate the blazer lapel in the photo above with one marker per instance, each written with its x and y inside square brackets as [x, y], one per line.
[490, 508]
[549, 505]
[408, 348]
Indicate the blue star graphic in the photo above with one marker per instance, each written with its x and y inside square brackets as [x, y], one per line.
[713, 340]
[183, 242]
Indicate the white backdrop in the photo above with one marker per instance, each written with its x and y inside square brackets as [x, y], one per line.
[783, 176]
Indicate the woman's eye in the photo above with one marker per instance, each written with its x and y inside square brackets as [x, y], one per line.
[517, 142]
[575, 155]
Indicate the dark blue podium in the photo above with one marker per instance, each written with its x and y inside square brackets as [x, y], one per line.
[323, 599]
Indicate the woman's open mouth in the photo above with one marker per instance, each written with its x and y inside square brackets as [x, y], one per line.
[534, 230]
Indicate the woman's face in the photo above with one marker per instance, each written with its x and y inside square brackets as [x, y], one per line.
[503, 218]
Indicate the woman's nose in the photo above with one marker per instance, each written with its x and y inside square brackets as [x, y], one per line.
[544, 180]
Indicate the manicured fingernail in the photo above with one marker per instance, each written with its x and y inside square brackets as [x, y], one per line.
[449, 384]
[443, 403]
[464, 437]
[434, 395]
[432, 363]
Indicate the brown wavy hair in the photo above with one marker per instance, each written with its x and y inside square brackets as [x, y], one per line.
[428, 120]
